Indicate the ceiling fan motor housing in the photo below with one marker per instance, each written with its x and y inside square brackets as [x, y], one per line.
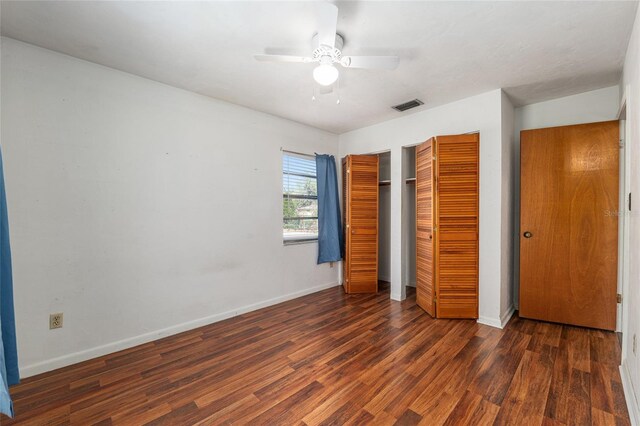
[321, 51]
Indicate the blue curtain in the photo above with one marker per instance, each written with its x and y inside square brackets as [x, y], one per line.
[330, 238]
[8, 350]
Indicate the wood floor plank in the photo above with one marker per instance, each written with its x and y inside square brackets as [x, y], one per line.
[526, 398]
[473, 409]
[569, 399]
[329, 406]
[496, 374]
[332, 358]
[453, 380]
[606, 390]
[409, 418]
[362, 417]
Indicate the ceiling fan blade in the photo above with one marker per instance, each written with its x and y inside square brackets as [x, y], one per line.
[327, 22]
[282, 58]
[382, 62]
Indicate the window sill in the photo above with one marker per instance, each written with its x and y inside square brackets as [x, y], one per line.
[296, 242]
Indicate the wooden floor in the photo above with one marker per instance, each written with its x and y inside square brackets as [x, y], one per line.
[338, 359]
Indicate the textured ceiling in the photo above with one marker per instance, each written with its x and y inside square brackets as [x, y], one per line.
[448, 50]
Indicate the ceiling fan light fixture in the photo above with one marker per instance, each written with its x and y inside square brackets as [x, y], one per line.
[325, 74]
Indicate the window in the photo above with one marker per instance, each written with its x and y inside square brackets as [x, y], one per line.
[299, 198]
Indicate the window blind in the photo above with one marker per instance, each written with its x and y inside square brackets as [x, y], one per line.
[300, 197]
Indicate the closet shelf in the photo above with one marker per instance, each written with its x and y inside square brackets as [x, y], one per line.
[410, 180]
[384, 182]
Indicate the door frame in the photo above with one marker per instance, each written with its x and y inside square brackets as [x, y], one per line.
[624, 234]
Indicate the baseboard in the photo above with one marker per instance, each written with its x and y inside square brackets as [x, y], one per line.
[76, 357]
[492, 322]
[630, 396]
[498, 322]
[504, 319]
[387, 279]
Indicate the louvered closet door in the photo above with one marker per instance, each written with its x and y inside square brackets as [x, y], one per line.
[457, 200]
[425, 291]
[362, 224]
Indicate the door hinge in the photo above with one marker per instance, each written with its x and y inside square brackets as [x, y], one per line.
[621, 143]
[434, 158]
[629, 201]
[619, 298]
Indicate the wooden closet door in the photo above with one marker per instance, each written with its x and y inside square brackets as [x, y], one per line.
[569, 224]
[425, 288]
[457, 220]
[362, 224]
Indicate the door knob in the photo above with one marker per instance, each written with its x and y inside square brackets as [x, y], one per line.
[430, 236]
[527, 234]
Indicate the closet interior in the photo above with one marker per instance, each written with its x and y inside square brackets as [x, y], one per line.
[384, 218]
[409, 217]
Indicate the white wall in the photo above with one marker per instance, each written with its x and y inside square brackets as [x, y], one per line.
[630, 87]
[478, 113]
[139, 210]
[507, 219]
[588, 107]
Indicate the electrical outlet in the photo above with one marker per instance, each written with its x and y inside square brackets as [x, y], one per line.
[55, 321]
[635, 346]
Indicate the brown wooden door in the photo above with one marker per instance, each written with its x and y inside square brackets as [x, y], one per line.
[361, 229]
[569, 202]
[457, 220]
[425, 285]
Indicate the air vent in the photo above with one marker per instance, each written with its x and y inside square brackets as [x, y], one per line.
[408, 105]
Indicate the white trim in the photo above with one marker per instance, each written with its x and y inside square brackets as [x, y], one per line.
[498, 323]
[504, 319]
[73, 358]
[623, 101]
[624, 255]
[293, 242]
[629, 395]
[492, 322]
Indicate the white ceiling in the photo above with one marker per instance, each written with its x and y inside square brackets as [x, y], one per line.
[448, 50]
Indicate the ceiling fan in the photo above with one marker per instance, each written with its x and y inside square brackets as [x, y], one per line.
[328, 51]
